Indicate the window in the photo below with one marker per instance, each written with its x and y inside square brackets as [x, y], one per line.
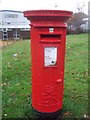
[8, 23]
[11, 16]
[5, 34]
[16, 33]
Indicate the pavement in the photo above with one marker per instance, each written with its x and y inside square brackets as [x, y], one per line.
[0, 44]
[5, 43]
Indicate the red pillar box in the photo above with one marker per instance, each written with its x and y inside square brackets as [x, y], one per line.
[48, 36]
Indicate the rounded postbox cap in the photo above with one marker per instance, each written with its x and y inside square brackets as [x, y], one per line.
[50, 14]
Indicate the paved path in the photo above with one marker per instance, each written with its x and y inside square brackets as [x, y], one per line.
[0, 44]
[3, 43]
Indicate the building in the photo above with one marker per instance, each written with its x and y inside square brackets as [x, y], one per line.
[78, 23]
[84, 26]
[13, 25]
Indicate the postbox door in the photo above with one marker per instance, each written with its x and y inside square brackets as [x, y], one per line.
[53, 63]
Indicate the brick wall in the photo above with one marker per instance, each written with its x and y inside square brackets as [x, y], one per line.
[1, 35]
[10, 34]
[25, 34]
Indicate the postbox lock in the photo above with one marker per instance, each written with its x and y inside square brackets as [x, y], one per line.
[59, 80]
[51, 30]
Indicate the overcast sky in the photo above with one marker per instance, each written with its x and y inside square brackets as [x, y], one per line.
[22, 5]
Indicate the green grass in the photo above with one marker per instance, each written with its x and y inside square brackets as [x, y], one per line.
[16, 79]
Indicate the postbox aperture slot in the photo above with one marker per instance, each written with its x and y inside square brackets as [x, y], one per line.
[50, 38]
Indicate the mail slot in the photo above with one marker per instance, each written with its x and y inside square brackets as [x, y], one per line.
[48, 37]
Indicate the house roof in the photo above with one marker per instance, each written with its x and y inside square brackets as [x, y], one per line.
[14, 26]
[11, 11]
[19, 22]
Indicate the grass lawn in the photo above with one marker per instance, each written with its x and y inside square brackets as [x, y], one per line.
[16, 79]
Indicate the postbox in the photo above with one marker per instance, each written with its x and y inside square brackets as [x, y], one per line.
[48, 36]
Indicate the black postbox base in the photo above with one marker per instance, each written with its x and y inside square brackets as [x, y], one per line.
[54, 115]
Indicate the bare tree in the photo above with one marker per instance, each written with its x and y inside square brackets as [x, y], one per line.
[74, 24]
[80, 7]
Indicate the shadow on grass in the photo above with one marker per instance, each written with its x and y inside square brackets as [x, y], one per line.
[29, 113]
